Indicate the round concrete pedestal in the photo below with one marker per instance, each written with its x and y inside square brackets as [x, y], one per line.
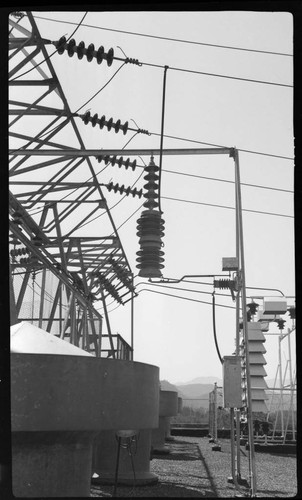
[105, 459]
[158, 438]
[168, 436]
[59, 403]
[52, 464]
[168, 405]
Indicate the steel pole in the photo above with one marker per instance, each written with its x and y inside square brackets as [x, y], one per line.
[281, 385]
[237, 350]
[291, 383]
[215, 412]
[245, 331]
[132, 320]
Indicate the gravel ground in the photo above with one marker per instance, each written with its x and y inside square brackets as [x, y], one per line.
[193, 469]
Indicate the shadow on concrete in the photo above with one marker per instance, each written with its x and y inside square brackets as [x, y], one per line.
[179, 450]
[158, 490]
[208, 472]
[276, 493]
[185, 450]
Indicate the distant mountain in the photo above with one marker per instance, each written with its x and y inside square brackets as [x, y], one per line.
[167, 386]
[194, 395]
[202, 380]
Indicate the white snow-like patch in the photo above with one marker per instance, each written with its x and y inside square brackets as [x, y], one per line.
[27, 338]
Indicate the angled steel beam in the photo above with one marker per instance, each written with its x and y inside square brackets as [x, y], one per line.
[130, 152]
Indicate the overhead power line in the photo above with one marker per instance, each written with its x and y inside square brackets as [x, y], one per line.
[227, 207]
[179, 40]
[220, 146]
[218, 75]
[258, 186]
[183, 298]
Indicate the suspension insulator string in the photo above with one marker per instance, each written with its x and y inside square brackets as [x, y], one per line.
[109, 124]
[80, 50]
[117, 161]
[121, 189]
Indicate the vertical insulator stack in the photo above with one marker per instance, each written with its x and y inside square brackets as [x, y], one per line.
[152, 185]
[150, 228]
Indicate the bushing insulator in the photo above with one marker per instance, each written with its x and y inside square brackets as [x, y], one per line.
[150, 256]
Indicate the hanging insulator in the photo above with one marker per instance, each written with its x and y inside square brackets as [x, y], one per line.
[17, 218]
[17, 14]
[113, 160]
[105, 283]
[150, 256]
[37, 241]
[224, 284]
[102, 122]
[80, 50]
[122, 190]
[152, 185]
[292, 312]
[14, 241]
[280, 323]
[253, 306]
[121, 273]
[24, 260]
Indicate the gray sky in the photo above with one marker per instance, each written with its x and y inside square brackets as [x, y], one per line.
[175, 334]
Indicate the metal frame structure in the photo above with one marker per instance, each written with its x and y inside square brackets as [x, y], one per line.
[50, 201]
[284, 388]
